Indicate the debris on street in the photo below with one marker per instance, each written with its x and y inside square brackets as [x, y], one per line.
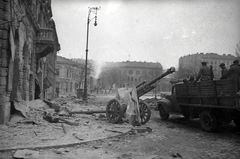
[26, 154]
[50, 123]
[88, 112]
[64, 128]
[143, 129]
[76, 136]
[61, 151]
[115, 131]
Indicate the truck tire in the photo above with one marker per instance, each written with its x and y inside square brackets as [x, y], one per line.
[208, 121]
[162, 112]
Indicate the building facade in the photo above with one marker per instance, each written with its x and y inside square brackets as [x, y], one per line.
[192, 63]
[28, 47]
[70, 76]
[131, 73]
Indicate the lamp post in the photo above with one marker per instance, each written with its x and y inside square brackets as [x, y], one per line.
[90, 10]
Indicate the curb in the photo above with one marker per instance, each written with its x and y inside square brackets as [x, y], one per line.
[63, 145]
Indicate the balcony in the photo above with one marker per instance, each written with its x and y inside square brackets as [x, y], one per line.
[45, 35]
[45, 42]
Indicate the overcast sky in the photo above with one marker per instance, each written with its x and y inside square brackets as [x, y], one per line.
[147, 30]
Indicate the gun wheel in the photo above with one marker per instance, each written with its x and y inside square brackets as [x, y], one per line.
[114, 111]
[145, 112]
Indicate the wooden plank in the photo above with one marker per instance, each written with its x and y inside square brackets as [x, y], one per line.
[209, 106]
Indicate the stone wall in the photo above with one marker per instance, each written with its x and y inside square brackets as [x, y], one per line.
[18, 32]
[23, 62]
[22, 49]
[4, 58]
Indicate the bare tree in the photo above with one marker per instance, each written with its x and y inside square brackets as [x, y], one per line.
[186, 71]
[110, 76]
[80, 63]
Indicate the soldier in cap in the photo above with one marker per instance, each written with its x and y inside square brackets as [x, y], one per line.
[224, 70]
[205, 73]
[234, 73]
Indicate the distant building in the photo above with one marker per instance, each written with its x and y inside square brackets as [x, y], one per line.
[164, 84]
[192, 63]
[132, 73]
[69, 76]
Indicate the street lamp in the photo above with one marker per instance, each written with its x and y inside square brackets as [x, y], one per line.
[90, 10]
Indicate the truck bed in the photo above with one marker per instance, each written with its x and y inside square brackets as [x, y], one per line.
[215, 94]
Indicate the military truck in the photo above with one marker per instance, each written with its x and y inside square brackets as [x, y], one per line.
[213, 102]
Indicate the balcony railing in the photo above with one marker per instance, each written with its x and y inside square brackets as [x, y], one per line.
[45, 42]
[45, 35]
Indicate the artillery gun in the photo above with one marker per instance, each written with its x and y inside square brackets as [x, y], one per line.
[115, 110]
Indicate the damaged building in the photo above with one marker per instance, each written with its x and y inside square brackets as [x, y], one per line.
[28, 48]
[69, 76]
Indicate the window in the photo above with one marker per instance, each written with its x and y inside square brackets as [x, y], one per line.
[66, 86]
[137, 72]
[150, 72]
[144, 72]
[130, 72]
[71, 85]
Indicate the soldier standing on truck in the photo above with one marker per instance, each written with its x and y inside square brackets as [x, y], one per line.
[224, 70]
[234, 73]
[205, 73]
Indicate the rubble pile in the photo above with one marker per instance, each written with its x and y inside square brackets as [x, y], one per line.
[48, 123]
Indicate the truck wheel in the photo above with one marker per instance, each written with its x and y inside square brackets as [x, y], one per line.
[162, 112]
[237, 122]
[208, 121]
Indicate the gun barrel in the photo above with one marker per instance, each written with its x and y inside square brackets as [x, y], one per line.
[143, 90]
[141, 84]
[148, 87]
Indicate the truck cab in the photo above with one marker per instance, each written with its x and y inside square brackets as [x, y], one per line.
[169, 105]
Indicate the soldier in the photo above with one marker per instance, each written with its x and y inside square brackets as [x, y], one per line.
[234, 73]
[205, 73]
[224, 70]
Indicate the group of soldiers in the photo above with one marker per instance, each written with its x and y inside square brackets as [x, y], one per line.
[205, 73]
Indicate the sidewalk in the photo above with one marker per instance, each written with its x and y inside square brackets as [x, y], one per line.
[37, 133]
